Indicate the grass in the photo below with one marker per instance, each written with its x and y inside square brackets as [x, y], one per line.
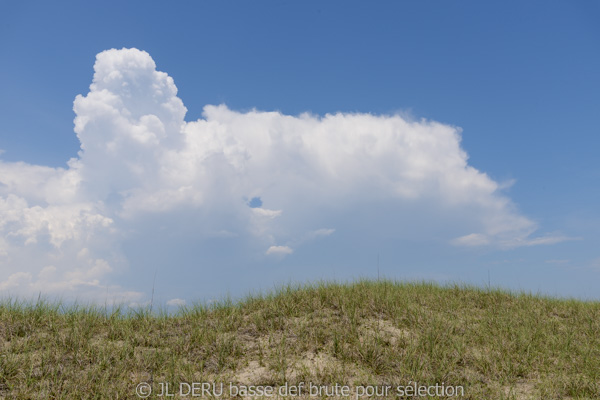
[495, 344]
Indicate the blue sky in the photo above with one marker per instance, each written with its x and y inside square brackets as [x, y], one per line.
[520, 81]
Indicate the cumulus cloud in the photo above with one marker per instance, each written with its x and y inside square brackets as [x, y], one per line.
[142, 170]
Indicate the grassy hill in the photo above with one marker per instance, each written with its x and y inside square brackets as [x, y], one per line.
[491, 343]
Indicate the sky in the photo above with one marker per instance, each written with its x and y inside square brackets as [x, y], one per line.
[190, 151]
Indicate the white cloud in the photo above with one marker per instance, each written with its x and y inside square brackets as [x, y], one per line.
[176, 302]
[15, 280]
[472, 239]
[507, 241]
[312, 235]
[323, 232]
[143, 170]
[279, 250]
[547, 240]
[263, 212]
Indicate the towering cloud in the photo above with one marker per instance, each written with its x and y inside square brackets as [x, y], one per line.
[262, 182]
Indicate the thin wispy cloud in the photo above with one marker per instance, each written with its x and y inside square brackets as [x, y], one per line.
[279, 250]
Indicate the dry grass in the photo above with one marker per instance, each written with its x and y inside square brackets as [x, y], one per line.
[495, 344]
